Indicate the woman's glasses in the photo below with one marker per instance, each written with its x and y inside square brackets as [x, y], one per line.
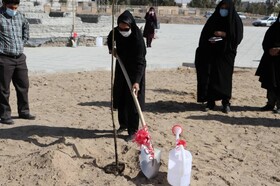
[123, 29]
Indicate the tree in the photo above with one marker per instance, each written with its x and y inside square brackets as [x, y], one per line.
[202, 3]
[146, 2]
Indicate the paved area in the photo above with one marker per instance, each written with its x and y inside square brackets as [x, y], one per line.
[175, 45]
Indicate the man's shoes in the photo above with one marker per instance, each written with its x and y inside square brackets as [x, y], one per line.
[129, 138]
[7, 121]
[226, 109]
[27, 116]
[120, 130]
[267, 108]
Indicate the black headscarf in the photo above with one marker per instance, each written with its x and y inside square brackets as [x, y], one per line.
[126, 17]
[272, 36]
[233, 22]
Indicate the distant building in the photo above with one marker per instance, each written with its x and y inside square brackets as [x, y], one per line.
[185, 2]
[182, 2]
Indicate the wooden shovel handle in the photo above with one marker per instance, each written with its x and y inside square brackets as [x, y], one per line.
[132, 92]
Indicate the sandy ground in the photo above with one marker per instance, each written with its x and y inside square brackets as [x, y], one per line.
[72, 140]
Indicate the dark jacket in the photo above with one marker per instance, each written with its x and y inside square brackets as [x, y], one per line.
[269, 67]
[150, 25]
[132, 52]
[215, 62]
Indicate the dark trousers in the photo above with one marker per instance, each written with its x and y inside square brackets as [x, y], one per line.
[225, 102]
[127, 114]
[15, 70]
[273, 98]
[149, 40]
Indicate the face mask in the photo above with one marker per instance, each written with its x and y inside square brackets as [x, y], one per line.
[11, 12]
[125, 33]
[223, 12]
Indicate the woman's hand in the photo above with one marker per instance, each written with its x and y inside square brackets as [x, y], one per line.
[136, 88]
[220, 34]
[274, 51]
[114, 52]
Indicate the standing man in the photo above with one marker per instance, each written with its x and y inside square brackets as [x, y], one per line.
[14, 32]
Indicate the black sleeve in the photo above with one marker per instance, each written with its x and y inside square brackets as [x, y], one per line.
[109, 40]
[268, 39]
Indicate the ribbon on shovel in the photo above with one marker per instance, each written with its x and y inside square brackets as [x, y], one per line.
[142, 137]
[149, 157]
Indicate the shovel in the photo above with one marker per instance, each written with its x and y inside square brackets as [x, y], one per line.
[180, 162]
[149, 157]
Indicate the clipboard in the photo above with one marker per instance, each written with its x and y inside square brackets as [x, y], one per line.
[215, 39]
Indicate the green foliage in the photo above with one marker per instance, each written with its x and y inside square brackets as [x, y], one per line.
[203, 3]
[276, 9]
[146, 2]
[260, 8]
[140, 2]
[166, 3]
[266, 8]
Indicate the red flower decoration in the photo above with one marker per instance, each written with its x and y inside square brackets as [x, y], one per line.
[142, 137]
[182, 142]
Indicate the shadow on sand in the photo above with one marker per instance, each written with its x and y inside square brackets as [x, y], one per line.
[24, 133]
[266, 122]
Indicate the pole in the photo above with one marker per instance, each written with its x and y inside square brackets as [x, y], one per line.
[74, 16]
[116, 167]
[112, 81]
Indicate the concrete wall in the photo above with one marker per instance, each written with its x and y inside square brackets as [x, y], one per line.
[63, 26]
[45, 26]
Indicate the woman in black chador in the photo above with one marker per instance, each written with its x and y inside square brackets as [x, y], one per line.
[130, 47]
[269, 67]
[150, 26]
[215, 55]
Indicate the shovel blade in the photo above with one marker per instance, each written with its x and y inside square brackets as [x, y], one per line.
[149, 166]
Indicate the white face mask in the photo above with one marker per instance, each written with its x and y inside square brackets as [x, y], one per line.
[125, 33]
[11, 12]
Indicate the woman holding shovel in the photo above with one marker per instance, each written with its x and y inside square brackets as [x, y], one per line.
[130, 48]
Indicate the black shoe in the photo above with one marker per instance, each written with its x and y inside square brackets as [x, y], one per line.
[277, 111]
[210, 105]
[129, 138]
[27, 116]
[8, 121]
[226, 109]
[120, 130]
[267, 108]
